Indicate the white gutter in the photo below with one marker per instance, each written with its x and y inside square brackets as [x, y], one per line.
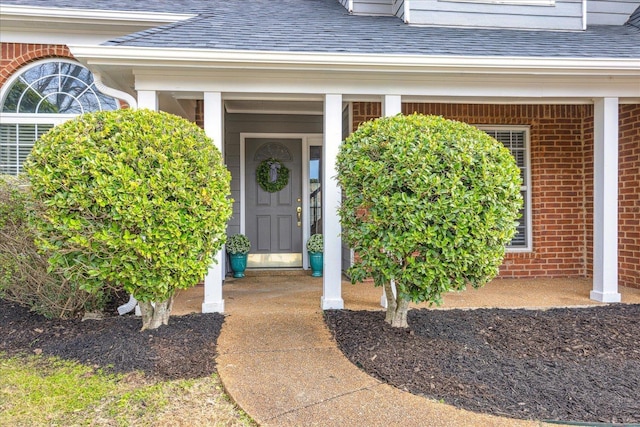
[204, 58]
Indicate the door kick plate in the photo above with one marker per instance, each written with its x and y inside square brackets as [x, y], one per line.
[274, 260]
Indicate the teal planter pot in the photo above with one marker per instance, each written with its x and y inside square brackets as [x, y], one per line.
[238, 264]
[316, 261]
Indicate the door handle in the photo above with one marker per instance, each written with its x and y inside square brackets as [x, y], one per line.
[299, 211]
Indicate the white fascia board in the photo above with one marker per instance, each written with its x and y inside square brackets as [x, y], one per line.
[431, 85]
[259, 60]
[70, 15]
[23, 24]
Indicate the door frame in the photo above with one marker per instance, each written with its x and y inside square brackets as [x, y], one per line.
[308, 140]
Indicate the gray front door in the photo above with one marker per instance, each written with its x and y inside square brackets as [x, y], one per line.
[273, 220]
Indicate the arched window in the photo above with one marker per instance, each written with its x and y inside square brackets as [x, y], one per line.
[40, 96]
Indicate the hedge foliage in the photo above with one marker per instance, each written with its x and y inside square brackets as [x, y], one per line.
[24, 275]
[133, 198]
[428, 202]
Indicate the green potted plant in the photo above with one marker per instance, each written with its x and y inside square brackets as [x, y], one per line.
[315, 246]
[238, 247]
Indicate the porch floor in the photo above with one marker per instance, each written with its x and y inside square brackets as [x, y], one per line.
[279, 363]
[505, 293]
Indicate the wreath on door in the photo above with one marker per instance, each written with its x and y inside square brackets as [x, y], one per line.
[272, 175]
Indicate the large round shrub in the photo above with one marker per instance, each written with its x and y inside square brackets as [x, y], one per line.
[429, 204]
[134, 198]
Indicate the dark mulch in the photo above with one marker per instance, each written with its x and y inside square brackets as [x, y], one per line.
[184, 349]
[578, 364]
[561, 364]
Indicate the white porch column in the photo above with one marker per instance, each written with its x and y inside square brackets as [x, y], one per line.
[332, 271]
[148, 99]
[213, 119]
[391, 105]
[605, 201]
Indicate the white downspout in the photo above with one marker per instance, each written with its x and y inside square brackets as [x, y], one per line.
[97, 80]
[128, 307]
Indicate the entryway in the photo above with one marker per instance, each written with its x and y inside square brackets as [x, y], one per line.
[279, 212]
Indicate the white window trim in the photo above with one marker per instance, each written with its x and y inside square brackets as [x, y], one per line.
[35, 119]
[525, 188]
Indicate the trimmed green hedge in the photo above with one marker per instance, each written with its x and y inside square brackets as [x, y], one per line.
[428, 202]
[133, 198]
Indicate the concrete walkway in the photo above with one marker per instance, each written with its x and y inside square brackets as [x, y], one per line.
[279, 363]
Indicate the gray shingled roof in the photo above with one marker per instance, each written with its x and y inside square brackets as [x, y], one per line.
[325, 26]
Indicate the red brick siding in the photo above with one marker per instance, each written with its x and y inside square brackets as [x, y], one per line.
[588, 188]
[558, 191]
[15, 55]
[629, 196]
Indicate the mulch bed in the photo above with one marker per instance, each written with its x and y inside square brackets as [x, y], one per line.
[185, 349]
[560, 364]
[580, 364]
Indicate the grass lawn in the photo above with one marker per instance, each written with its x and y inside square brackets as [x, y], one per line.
[36, 390]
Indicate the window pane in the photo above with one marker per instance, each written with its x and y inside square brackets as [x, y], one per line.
[8, 149]
[520, 239]
[29, 101]
[16, 142]
[89, 102]
[67, 88]
[13, 97]
[36, 73]
[47, 85]
[60, 103]
[516, 142]
[106, 102]
[315, 189]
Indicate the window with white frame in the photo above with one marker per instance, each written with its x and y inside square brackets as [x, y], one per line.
[38, 97]
[516, 139]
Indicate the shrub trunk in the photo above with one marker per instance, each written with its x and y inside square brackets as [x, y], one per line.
[397, 307]
[155, 314]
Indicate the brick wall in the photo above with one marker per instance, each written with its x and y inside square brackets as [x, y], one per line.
[588, 188]
[629, 196]
[15, 55]
[560, 210]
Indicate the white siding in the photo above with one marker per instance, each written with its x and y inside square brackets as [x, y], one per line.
[345, 4]
[564, 15]
[373, 7]
[398, 8]
[610, 12]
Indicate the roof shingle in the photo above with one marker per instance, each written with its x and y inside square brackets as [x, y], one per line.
[324, 26]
